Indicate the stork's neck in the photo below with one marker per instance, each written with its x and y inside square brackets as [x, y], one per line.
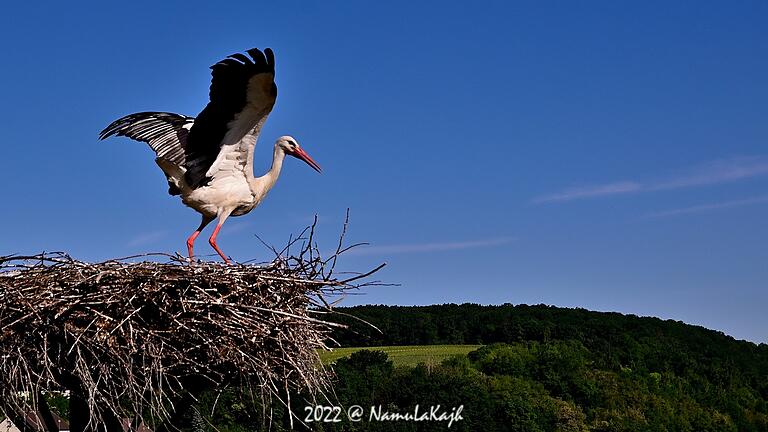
[261, 185]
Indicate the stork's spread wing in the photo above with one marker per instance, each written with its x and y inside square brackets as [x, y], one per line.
[243, 92]
[166, 133]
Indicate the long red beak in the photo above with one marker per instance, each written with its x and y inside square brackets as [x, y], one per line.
[301, 154]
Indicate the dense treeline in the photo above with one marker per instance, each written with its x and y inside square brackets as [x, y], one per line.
[543, 386]
[616, 341]
[607, 365]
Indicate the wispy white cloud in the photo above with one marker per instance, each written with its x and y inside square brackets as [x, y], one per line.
[720, 171]
[429, 247]
[147, 238]
[591, 191]
[716, 172]
[708, 207]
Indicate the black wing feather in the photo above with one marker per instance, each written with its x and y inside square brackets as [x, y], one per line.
[164, 132]
[228, 97]
[242, 57]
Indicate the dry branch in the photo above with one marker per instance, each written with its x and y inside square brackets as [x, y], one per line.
[133, 337]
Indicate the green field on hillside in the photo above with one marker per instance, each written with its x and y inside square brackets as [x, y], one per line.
[405, 355]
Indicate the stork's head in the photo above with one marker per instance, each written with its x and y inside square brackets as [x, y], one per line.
[291, 147]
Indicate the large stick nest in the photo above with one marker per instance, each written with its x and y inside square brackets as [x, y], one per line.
[132, 335]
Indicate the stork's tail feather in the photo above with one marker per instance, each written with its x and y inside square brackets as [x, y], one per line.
[175, 176]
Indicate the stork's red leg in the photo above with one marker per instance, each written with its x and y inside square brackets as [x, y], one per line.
[191, 239]
[212, 241]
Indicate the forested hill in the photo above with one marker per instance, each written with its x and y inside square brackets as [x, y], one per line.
[615, 340]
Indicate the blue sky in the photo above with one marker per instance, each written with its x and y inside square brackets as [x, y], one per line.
[604, 155]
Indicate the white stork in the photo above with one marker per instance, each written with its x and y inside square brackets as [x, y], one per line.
[208, 160]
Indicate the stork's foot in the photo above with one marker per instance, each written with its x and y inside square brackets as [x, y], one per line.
[221, 254]
[191, 258]
[212, 241]
[191, 239]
